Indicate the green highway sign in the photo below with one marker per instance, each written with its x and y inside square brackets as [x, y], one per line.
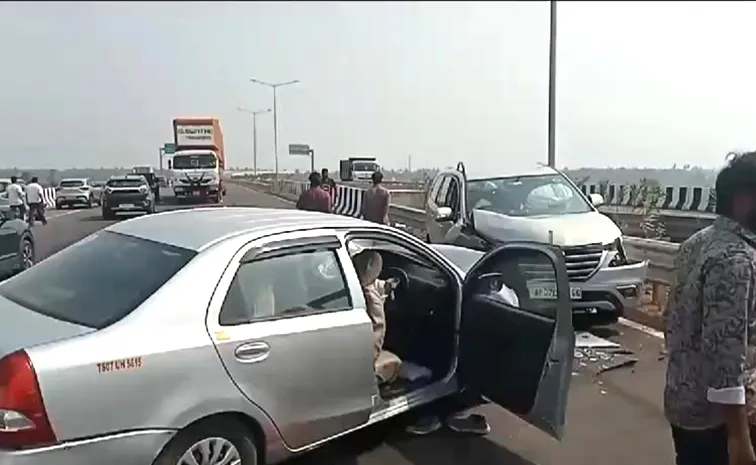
[169, 148]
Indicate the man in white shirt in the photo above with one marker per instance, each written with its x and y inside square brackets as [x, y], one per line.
[16, 197]
[36, 201]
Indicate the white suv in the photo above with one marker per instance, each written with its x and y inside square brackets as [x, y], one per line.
[541, 205]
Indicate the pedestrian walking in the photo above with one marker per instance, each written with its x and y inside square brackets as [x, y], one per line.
[710, 336]
[375, 203]
[16, 198]
[36, 201]
[315, 198]
[329, 185]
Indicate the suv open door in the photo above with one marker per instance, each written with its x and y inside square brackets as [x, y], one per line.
[518, 351]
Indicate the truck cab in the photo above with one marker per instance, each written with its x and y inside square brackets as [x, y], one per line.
[358, 168]
[197, 175]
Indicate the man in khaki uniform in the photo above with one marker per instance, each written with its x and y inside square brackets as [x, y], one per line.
[368, 265]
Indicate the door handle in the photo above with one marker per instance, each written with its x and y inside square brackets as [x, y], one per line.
[252, 352]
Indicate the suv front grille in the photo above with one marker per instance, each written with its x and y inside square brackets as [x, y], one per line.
[581, 262]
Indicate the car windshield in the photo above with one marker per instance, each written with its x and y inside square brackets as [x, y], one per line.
[182, 162]
[97, 281]
[125, 182]
[526, 196]
[71, 183]
[364, 166]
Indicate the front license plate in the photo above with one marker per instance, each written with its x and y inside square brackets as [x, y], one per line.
[127, 205]
[546, 292]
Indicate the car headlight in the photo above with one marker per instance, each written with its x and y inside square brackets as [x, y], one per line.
[617, 249]
[143, 189]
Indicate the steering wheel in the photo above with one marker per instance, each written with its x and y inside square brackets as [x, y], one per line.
[398, 279]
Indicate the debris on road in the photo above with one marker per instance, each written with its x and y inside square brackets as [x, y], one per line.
[600, 355]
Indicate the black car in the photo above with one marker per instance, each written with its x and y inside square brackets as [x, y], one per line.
[127, 194]
[16, 243]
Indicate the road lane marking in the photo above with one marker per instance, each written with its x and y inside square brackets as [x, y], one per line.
[642, 328]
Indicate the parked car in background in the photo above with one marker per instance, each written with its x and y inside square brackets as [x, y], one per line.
[541, 205]
[75, 192]
[17, 247]
[242, 335]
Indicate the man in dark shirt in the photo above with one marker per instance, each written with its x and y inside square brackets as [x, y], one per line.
[328, 184]
[315, 198]
[710, 393]
[375, 203]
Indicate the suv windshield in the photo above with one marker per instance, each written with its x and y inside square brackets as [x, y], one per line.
[526, 196]
[97, 281]
[125, 183]
[71, 183]
[184, 162]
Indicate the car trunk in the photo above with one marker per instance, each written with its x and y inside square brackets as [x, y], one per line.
[23, 328]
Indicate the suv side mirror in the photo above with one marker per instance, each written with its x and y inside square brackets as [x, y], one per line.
[444, 214]
[596, 199]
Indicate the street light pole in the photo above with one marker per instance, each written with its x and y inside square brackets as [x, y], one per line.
[275, 87]
[254, 132]
[552, 83]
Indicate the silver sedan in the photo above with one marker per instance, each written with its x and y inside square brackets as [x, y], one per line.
[242, 336]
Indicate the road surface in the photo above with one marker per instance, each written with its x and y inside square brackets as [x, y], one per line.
[613, 417]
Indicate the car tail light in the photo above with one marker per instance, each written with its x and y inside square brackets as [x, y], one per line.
[23, 418]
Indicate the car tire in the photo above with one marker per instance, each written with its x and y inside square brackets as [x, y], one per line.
[427, 239]
[229, 434]
[26, 247]
[90, 202]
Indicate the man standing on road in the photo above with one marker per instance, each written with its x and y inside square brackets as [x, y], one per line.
[315, 198]
[36, 201]
[710, 329]
[375, 203]
[16, 198]
[329, 185]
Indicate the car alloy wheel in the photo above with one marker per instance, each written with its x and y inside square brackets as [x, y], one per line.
[27, 254]
[211, 451]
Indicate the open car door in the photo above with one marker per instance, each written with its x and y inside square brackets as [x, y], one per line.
[516, 341]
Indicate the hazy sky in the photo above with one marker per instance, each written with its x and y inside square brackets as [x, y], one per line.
[639, 83]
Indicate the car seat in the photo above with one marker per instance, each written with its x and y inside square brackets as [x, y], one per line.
[368, 265]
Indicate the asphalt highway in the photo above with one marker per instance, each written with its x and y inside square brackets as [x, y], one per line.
[614, 416]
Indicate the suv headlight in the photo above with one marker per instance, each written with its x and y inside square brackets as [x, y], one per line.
[617, 249]
[143, 189]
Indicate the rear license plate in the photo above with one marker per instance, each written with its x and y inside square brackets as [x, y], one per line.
[549, 292]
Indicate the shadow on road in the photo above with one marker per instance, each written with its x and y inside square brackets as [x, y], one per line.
[389, 445]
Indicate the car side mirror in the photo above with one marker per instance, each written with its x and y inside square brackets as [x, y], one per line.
[444, 214]
[596, 199]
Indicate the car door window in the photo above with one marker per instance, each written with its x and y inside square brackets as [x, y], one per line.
[452, 196]
[285, 286]
[442, 191]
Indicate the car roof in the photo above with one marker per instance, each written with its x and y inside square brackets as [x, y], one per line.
[126, 176]
[198, 228]
[505, 172]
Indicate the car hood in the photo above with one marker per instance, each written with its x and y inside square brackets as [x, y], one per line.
[23, 328]
[567, 230]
